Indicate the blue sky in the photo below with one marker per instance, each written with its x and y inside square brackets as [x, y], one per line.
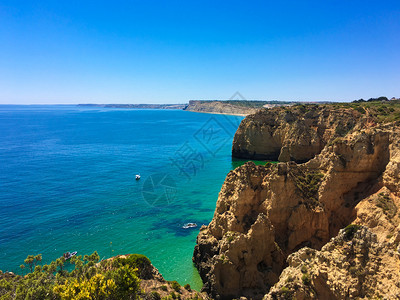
[173, 51]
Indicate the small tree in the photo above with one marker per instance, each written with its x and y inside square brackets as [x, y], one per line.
[38, 258]
[60, 263]
[29, 261]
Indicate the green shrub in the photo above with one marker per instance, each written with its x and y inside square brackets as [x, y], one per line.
[350, 230]
[308, 183]
[176, 286]
[303, 269]
[155, 296]
[286, 293]
[187, 287]
[360, 109]
[306, 279]
[302, 108]
[164, 288]
[341, 131]
[387, 205]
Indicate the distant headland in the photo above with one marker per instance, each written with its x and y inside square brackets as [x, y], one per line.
[230, 107]
[137, 106]
[227, 107]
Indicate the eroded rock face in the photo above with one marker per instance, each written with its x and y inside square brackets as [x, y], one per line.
[297, 134]
[266, 213]
[352, 265]
[219, 107]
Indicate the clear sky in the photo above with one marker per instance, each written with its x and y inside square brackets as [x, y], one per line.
[60, 51]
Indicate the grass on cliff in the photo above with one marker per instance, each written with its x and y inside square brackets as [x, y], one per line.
[247, 103]
[387, 205]
[379, 111]
[308, 182]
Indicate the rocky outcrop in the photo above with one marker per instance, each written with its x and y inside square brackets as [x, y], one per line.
[220, 107]
[352, 265]
[264, 214]
[297, 134]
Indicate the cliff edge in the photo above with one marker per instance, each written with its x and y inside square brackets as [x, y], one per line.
[272, 220]
[297, 133]
[240, 108]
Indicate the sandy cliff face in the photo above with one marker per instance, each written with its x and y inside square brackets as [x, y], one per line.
[219, 107]
[296, 134]
[350, 266]
[267, 215]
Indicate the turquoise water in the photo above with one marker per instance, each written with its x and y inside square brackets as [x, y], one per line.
[67, 182]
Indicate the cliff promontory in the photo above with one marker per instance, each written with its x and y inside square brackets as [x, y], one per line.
[297, 133]
[221, 107]
[232, 107]
[277, 231]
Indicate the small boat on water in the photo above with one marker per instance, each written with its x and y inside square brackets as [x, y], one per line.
[189, 225]
[68, 255]
[137, 176]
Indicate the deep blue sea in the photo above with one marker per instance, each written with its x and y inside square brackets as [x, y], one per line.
[67, 182]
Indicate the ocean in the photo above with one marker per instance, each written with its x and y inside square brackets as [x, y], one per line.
[67, 183]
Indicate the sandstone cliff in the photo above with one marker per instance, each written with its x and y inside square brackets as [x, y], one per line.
[297, 134]
[266, 215]
[352, 265]
[220, 107]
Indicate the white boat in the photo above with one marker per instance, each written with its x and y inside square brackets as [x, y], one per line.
[68, 255]
[189, 225]
[137, 176]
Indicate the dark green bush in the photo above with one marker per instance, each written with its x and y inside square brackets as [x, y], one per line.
[306, 279]
[303, 269]
[387, 205]
[155, 296]
[286, 293]
[164, 288]
[176, 286]
[308, 183]
[350, 230]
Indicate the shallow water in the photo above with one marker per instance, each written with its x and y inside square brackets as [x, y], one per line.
[67, 182]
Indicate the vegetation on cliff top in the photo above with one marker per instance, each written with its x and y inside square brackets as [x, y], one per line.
[110, 279]
[246, 103]
[379, 111]
[119, 277]
[115, 278]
